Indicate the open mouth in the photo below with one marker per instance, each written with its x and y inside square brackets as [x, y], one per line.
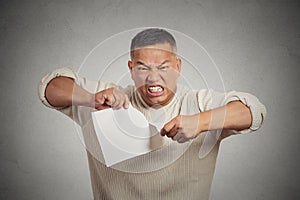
[155, 90]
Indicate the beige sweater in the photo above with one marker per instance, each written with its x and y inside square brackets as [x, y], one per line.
[172, 172]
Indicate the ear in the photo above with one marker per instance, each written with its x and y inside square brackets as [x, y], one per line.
[129, 64]
[130, 67]
[178, 64]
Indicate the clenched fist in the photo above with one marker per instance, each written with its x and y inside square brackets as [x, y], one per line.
[182, 128]
[110, 98]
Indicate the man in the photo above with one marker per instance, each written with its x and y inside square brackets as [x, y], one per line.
[188, 115]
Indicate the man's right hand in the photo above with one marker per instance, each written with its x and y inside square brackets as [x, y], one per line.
[63, 91]
[110, 98]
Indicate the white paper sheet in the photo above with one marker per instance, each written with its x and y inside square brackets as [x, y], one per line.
[124, 134]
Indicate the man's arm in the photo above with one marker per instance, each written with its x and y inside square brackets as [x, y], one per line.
[234, 116]
[63, 92]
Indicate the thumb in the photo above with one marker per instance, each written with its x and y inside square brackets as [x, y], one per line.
[167, 127]
[102, 106]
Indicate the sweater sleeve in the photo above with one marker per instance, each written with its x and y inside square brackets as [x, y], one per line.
[89, 85]
[209, 99]
[66, 72]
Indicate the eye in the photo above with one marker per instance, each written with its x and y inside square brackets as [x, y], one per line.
[142, 68]
[163, 68]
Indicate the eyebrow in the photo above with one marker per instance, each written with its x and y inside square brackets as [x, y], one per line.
[141, 63]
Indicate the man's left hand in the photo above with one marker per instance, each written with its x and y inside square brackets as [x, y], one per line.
[182, 128]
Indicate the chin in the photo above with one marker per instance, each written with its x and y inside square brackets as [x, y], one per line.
[157, 101]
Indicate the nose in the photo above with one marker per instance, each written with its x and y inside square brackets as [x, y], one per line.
[153, 76]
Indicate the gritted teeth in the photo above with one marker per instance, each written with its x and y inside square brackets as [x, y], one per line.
[155, 89]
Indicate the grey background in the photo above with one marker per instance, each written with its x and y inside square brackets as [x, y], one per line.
[254, 43]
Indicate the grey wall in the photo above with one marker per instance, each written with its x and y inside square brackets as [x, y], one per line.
[254, 43]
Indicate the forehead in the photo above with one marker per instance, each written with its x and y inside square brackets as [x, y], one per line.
[153, 53]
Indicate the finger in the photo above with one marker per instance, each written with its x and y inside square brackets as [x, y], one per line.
[118, 103]
[115, 95]
[182, 140]
[100, 103]
[172, 132]
[109, 99]
[120, 100]
[99, 99]
[117, 98]
[118, 106]
[170, 129]
[102, 107]
[177, 136]
[167, 127]
[126, 102]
